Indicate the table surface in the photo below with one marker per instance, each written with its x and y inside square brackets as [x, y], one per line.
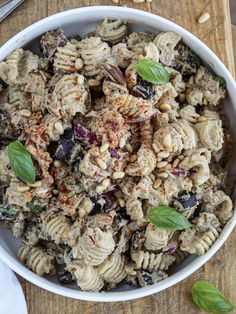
[221, 269]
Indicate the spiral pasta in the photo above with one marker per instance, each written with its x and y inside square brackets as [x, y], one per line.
[155, 238]
[94, 246]
[87, 277]
[111, 31]
[37, 260]
[146, 260]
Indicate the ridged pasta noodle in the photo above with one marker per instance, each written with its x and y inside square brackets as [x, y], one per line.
[94, 246]
[37, 260]
[65, 58]
[112, 30]
[87, 277]
[146, 260]
[156, 238]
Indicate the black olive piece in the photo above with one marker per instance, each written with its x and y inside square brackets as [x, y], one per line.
[65, 277]
[143, 89]
[147, 276]
[187, 200]
[97, 208]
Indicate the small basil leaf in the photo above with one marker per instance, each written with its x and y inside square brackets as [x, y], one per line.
[168, 218]
[8, 211]
[21, 162]
[221, 80]
[152, 71]
[210, 299]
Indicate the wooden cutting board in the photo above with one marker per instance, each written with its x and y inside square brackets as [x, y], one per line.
[221, 269]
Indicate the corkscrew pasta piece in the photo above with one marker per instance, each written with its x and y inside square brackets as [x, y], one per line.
[112, 270]
[166, 261]
[94, 52]
[17, 66]
[73, 93]
[37, 260]
[94, 246]
[122, 55]
[109, 125]
[146, 260]
[200, 164]
[189, 114]
[65, 58]
[210, 133]
[145, 163]
[56, 227]
[220, 204]
[156, 238]
[166, 43]
[111, 30]
[202, 89]
[87, 277]
[197, 243]
[132, 109]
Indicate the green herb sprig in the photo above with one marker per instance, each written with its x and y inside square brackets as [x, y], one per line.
[210, 299]
[168, 218]
[21, 162]
[35, 208]
[221, 80]
[152, 71]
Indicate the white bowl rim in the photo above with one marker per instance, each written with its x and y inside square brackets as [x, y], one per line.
[187, 270]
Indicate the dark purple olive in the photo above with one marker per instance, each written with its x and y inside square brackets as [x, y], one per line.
[143, 89]
[145, 276]
[187, 200]
[65, 277]
[68, 150]
[138, 239]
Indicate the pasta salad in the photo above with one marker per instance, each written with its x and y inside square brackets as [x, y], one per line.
[112, 155]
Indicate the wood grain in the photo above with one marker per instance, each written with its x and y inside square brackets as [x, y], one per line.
[221, 269]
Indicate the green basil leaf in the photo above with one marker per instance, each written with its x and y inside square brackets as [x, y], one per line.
[21, 162]
[210, 299]
[152, 71]
[168, 218]
[221, 80]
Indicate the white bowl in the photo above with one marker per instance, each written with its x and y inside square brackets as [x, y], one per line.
[82, 21]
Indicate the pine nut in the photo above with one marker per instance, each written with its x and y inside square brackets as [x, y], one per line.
[118, 175]
[203, 18]
[148, 1]
[165, 107]
[101, 164]
[115, 1]
[176, 162]
[157, 183]
[23, 188]
[121, 202]
[129, 148]
[181, 157]
[122, 142]
[36, 184]
[80, 79]
[163, 175]
[138, 1]
[163, 154]
[58, 126]
[26, 113]
[167, 140]
[162, 164]
[93, 82]
[87, 205]
[104, 147]
[57, 163]
[55, 192]
[100, 189]
[156, 148]
[159, 159]
[201, 119]
[79, 64]
[133, 158]
[181, 97]
[106, 183]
